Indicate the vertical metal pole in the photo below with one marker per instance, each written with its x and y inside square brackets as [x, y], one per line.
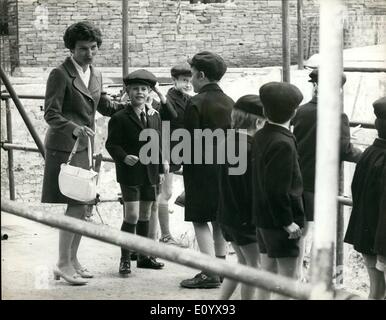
[125, 32]
[300, 34]
[286, 40]
[340, 234]
[11, 176]
[327, 149]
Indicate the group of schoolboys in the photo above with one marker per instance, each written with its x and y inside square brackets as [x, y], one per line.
[261, 212]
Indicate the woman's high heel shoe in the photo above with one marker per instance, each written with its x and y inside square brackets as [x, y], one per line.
[84, 273]
[75, 279]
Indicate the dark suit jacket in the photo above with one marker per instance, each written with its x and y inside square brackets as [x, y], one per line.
[210, 109]
[369, 201]
[69, 104]
[276, 179]
[304, 124]
[124, 129]
[235, 196]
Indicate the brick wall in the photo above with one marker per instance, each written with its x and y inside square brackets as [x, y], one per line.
[245, 33]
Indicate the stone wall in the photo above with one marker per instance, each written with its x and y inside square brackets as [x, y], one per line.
[9, 35]
[364, 24]
[247, 33]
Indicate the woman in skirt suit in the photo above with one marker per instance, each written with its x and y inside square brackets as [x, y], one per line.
[73, 95]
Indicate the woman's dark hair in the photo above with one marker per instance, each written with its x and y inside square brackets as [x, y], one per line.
[81, 31]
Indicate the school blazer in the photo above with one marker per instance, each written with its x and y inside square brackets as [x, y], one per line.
[69, 104]
[276, 179]
[124, 129]
[304, 124]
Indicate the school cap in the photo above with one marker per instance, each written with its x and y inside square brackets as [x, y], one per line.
[314, 77]
[181, 70]
[250, 103]
[210, 63]
[140, 76]
[280, 100]
[380, 108]
[380, 112]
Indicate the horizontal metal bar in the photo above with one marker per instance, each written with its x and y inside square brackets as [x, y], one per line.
[365, 125]
[12, 146]
[363, 69]
[5, 96]
[9, 146]
[259, 278]
[345, 200]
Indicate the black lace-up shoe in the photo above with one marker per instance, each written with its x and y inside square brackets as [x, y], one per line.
[149, 263]
[201, 281]
[124, 267]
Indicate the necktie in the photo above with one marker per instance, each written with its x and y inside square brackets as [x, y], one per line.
[143, 119]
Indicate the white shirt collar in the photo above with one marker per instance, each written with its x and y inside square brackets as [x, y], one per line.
[84, 75]
[279, 124]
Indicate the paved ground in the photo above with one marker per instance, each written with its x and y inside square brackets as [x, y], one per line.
[30, 252]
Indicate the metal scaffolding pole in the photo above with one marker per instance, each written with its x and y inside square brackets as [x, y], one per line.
[327, 149]
[286, 49]
[22, 111]
[300, 34]
[125, 32]
[11, 177]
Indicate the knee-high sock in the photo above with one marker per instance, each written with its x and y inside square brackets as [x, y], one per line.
[142, 230]
[163, 216]
[130, 228]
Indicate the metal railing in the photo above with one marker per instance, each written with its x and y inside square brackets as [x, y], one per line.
[187, 257]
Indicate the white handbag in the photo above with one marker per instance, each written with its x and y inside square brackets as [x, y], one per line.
[78, 183]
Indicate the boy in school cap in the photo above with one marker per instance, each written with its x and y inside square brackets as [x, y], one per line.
[138, 181]
[140, 76]
[314, 77]
[250, 103]
[235, 194]
[210, 63]
[276, 181]
[305, 128]
[172, 111]
[366, 229]
[210, 109]
[182, 69]
[380, 113]
[280, 100]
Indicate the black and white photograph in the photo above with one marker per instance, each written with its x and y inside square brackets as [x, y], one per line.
[193, 154]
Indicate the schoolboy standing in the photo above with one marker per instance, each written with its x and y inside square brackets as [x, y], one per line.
[277, 183]
[173, 110]
[235, 195]
[138, 181]
[210, 109]
[366, 227]
[304, 128]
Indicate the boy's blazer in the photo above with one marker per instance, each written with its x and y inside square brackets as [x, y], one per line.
[277, 181]
[124, 129]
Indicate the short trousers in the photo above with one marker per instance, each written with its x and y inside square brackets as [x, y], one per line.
[242, 236]
[381, 263]
[139, 193]
[309, 205]
[276, 244]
